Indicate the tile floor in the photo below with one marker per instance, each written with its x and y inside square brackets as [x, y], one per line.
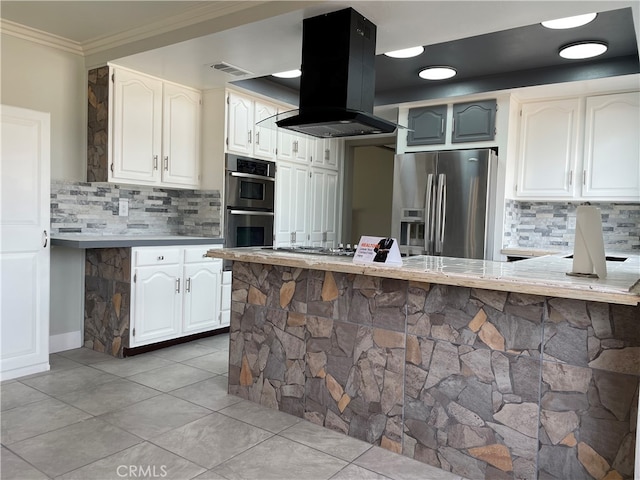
[166, 414]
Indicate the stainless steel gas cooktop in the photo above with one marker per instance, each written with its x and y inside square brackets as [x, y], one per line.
[340, 251]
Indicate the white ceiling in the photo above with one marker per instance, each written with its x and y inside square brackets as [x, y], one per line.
[177, 40]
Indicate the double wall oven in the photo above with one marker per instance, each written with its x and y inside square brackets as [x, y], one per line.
[249, 201]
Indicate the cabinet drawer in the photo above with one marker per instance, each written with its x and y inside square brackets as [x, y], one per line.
[156, 256]
[199, 254]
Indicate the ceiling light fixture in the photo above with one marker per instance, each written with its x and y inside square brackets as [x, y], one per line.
[580, 50]
[437, 73]
[405, 52]
[570, 22]
[288, 74]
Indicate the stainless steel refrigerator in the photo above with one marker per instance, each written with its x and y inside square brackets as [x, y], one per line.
[444, 203]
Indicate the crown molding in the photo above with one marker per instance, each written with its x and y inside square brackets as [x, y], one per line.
[38, 36]
[190, 17]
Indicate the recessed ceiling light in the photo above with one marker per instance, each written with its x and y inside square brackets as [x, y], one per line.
[570, 22]
[437, 73]
[576, 51]
[405, 52]
[288, 74]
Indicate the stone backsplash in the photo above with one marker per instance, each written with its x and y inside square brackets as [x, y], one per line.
[92, 208]
[552, 225]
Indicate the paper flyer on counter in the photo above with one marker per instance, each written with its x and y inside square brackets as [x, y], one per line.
[378, 250]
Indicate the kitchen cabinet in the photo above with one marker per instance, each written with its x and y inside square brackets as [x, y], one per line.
[244, 135]
[293, 147]
[474, 121]
[582, 148]
[292, 204]
[154, 132]
[548, 148]
[327, 152]
[427, 125]
[323, 214]
[612, 147]
[176, 291]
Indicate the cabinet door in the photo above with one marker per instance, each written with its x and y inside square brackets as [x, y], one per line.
[323, 208]
[239, 124]
[156, 304]
[612, 147]
[202, 289]
[427, 125]
[301, 148]
[474, 121]
[326, 152]
[136, 128]
[548, 149]
[264, 142]
[181, 136]
[285, 145]
[292, 217]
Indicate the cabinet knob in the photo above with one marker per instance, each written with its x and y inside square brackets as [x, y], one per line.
[160, 257]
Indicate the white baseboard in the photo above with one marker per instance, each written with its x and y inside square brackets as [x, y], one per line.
[65, 341]
[23, 371]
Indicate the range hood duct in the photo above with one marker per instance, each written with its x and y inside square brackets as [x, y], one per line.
[338, 78]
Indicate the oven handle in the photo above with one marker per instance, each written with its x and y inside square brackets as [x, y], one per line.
[250, 212]
[251, 175]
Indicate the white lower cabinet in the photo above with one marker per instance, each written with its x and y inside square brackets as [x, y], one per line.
[176, 291]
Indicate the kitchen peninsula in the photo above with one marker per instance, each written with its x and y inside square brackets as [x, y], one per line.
[487, 369]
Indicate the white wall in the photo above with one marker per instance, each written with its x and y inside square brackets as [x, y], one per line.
[51, 80]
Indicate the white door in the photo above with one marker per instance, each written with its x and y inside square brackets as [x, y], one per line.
[181, 136]
[317, 210]
[24, 242]
[264, 144]
[136, 127]
[284, 204]
[202, 288]
[612, 147]
[156, 304]
[548, 149]
[239, 124]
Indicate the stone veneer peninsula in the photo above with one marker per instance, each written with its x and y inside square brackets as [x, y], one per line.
[490, 370]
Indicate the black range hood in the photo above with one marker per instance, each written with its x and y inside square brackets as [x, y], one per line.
[338, 78]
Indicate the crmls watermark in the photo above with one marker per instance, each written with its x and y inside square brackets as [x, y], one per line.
[141, 471]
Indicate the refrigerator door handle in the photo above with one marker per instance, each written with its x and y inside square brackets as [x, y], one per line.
[428, 217]
[440, 209]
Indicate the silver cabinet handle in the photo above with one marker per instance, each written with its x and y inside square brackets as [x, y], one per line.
[249, 136]
[570, 177]
[166, 163]
[188, 285]
[327, 155]
[442, 126]
[177, 285]
[155, 162]
[45, 239]
[257, 138]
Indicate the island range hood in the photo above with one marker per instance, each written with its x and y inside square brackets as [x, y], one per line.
[338, 78]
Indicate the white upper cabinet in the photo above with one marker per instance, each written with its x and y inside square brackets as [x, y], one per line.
[244, 135]
[181, 136]
[155, 131]
[327, 153]
[584, 148]
[136, 127]
[612, 147]
[548, 148]
[293, 147]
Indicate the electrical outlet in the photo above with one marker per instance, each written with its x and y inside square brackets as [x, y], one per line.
[123, 207]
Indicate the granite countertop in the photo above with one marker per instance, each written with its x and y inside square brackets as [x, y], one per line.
[83, 241]
[545, 275]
